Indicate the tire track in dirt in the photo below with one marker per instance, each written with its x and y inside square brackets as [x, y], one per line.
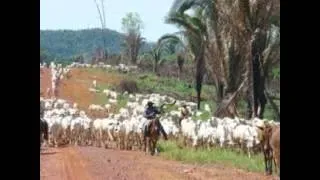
[63, 164]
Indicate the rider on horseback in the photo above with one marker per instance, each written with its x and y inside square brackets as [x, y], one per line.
[150, 113]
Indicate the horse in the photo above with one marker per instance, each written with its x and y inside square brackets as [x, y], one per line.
[44, 131]
[150, 141]
[153, 136]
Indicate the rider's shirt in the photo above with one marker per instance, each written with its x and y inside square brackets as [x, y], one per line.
[151, 112]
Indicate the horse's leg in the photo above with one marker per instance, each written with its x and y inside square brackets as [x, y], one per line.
[146, 145]
[152, 146]
[155, 146]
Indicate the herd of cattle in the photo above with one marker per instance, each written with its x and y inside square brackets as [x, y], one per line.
[124, 130]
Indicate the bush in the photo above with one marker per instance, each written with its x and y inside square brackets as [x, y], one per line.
[128, 85]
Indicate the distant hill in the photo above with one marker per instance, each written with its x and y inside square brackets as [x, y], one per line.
[67, 43]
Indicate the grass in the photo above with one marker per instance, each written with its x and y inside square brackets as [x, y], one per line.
[170, 108]
[122, 101]
[166, 85]
[203, 117]
[169, 85]
[102, 99]
[170, 150]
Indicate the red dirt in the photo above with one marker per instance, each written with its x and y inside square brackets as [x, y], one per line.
[76, 88]
[45, 81]
[87, 163]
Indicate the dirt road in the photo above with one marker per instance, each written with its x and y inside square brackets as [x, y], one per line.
[90, 163]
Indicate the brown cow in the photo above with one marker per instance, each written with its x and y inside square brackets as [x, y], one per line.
[275, 146]
[270, 142]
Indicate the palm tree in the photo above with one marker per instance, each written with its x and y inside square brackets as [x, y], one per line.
[195, 32]
[232, 36]
[172, 43]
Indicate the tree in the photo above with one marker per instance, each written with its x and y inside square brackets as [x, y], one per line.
[180, 63]
[157, 53]
[232, 40]
[132, 26]
[102, 17]
[78, 59]
[45, 56]
[196, 33]
[172, 43]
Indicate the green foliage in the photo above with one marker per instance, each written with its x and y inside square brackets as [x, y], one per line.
[170, 150]
[203, 117]
[171, 86]
[122, 102]
[165, 84]
[63, 61]
[67, 43]
[45, 56]
[276, 73]
[132, 23]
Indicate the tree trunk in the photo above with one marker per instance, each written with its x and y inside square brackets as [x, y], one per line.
[258, 99]
[200, 68]
[155, 67]
[220, 92]
[199, 78]
[225, 109]
[274, 107]
[180, 62]
[180, 72]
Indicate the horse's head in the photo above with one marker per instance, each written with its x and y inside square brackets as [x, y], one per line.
[153, 127]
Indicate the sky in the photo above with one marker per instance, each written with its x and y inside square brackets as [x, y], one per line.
[83, 14]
